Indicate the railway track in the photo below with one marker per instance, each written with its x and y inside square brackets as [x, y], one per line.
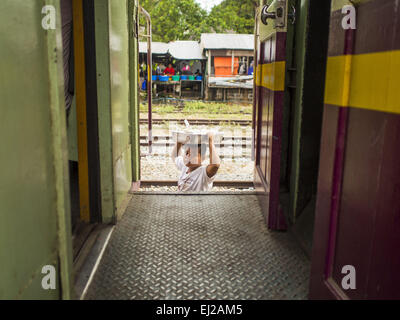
[200, 122]
[222, 156]
[228, 146]
[164, 137]
[166, 141]
[217, 183]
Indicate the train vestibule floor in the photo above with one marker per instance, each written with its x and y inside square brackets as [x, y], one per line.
[198, 247]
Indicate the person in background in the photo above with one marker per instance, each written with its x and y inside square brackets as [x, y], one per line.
[158, 70]
[242, 69]
[251, 69]
[185, 69]
[170, 71]
[143, 72]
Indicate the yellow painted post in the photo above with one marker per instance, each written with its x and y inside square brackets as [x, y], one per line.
[80, 83]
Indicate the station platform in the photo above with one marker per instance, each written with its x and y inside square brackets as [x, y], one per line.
[210, 246]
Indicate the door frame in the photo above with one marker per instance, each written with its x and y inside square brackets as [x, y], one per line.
[269, 191]
[60, 152]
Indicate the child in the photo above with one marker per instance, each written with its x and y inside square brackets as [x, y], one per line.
[193, 175]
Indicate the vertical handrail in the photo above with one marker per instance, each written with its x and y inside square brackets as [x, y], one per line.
[255, 96]
[149, 76]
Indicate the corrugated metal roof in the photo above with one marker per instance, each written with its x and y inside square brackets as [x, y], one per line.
[192, 50]
[218, 41]
[185, 50]
[156, 47]
[181, 50]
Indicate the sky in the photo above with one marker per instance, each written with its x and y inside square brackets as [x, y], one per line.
[208, 4]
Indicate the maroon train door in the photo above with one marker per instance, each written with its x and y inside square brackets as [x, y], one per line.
[356, 248]
[268, 108]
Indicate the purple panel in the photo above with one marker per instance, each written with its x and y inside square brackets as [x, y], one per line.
[260, 98]
[318, 290]
[368, 236]
[275, 118]
[264, 130]
[275, 158]
[384, 277]
[268, 108]
[257, 97]
[360, 211]
[364, 147]
[280, 46]
[270, 112]
[336, 35]
[378, 34]
[269, 135]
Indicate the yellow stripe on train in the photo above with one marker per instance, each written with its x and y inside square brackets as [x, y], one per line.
[271, 75]
[368, 81]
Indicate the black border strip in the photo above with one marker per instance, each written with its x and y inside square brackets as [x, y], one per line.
[92, 112]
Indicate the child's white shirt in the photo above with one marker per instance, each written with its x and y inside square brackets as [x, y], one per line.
[197, 180]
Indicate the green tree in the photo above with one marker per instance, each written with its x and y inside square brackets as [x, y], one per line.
[175, 19]
[235, 16]
[186, 20]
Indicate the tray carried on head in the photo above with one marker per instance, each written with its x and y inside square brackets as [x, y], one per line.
[192, 136]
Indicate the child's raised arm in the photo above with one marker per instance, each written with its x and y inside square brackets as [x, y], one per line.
[176, 150]
[215, 161]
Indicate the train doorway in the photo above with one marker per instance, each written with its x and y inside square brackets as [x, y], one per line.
[203, 94]
[279, 122]
[290, 84]
[271, 113]
[185, 228]
[281, 140]
[80, 92]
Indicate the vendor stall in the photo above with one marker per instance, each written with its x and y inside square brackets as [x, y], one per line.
[229, 66]
[188, 64]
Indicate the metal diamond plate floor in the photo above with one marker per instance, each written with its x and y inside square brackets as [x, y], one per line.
[199, 247]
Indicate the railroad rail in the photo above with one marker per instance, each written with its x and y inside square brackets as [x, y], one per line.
[231, 142]
[158, 138]
[218, 145]
[217, 183]
[166, 141]
[201, 122]
[222, 156]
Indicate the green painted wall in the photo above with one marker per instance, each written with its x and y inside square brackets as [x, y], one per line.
[34, 198]
[120, 107]
[116, 58]
[104, 109]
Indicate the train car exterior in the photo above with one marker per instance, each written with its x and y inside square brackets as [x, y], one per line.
[355, 199]
[358, 205]
[35, 227]
[35, 194]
